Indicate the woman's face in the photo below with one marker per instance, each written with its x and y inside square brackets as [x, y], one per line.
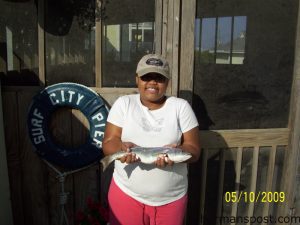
[152, 88]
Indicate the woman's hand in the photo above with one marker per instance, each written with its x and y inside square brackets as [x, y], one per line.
[126, 146]
[163, 161]
[129, 157]
[189, 143]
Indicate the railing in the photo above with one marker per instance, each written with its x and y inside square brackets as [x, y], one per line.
[245, 165]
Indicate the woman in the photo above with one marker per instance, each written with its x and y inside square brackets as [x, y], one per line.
[150, 194]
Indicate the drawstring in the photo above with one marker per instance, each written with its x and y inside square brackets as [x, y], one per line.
[144, 214]
[155, 215]
[150, 215]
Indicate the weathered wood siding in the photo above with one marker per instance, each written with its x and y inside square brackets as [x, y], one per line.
[34, 186]
[5, 203]
[243, 160]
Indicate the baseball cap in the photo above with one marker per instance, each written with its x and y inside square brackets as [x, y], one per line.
[153, 63]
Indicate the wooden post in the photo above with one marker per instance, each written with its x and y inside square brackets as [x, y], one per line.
[158, 26]
[288, 184]
[5, 204]
[98, 43]
[187, 49]
[41, 42]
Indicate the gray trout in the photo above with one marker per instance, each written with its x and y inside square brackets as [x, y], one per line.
[149, 155]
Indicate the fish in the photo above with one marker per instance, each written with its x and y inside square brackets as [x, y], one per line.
[148, 155]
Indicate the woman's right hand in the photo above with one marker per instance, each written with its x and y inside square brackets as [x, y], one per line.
[130, 157]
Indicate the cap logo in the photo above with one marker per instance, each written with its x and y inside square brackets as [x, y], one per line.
[154, 62]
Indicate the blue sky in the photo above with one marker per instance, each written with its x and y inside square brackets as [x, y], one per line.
[224, 30]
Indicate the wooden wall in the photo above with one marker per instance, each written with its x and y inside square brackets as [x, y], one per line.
[247, 157]
[5, 203]
[34, 186]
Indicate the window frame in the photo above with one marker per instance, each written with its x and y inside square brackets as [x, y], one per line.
[98, 43]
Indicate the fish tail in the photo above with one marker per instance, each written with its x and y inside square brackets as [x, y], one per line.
[106, 161]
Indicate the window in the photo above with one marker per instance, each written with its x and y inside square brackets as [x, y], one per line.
[244, 59]
[67, 41]
[18, 45]
[220, 40]
[127, 36]
[70, 41]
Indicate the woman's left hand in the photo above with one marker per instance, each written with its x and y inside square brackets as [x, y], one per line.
[163, 161]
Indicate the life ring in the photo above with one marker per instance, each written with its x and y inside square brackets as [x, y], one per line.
[74, 96]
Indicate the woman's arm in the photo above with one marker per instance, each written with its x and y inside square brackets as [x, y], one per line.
[112, 139]
[189, 143]
[112, 143]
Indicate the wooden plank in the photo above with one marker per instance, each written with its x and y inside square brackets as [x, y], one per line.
[82, 191]
[253, 180]
[203, 185]
[21, 88]
[187, 49]
[41, 41]
[60, 127]
[97, 89]
[269, 184]
[110, 98]
[98, 44]
[221, 185]
[11, 127]
[277, 177]
[89, 175]
[34, 177]
[164, 28]
[245, 181]
[244, 138]
[261, 182]
[5, 197]
[175, 48]
[291, 158]
[238, 166]
[194, 191]
[158, 26]
[117, 91]
[109, 94]
[168, 47]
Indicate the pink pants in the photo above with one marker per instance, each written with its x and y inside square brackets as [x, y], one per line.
[124, 210]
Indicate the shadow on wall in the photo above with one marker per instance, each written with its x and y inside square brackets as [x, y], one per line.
[199, 108]
[61, 15]
[16, 77]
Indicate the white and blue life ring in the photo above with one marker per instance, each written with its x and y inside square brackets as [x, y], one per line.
[74, 96]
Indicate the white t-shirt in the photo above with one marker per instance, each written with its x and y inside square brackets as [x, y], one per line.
[152, 128]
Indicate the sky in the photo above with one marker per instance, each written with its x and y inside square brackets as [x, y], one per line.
[224, 30]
